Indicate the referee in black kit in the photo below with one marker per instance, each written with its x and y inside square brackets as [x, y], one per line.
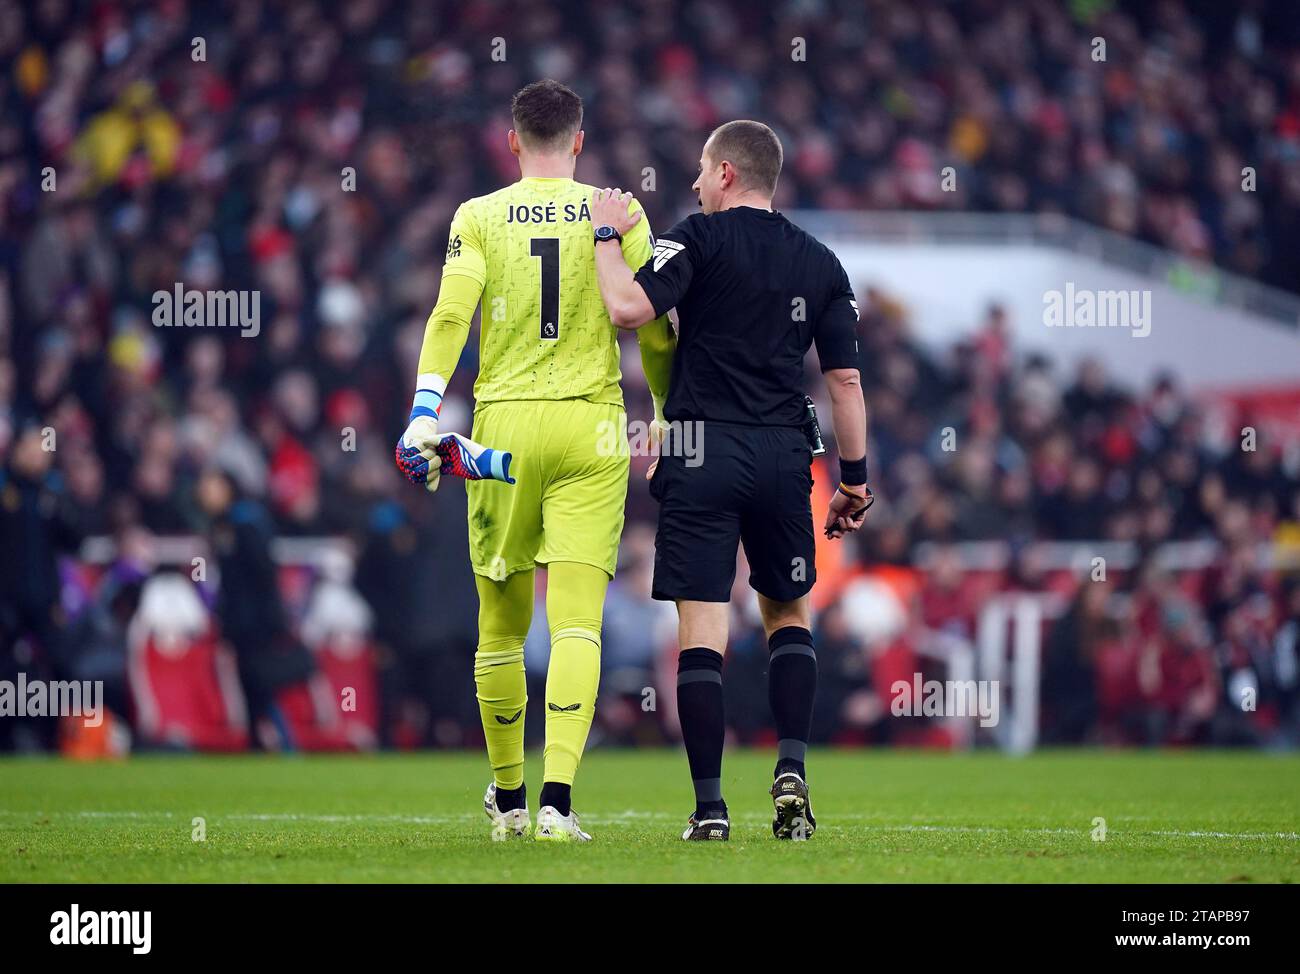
[753, 292]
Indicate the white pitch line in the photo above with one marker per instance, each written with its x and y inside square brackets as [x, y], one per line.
[633, 815]
[1292, 836]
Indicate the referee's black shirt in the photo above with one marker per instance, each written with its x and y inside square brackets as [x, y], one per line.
[753, 292]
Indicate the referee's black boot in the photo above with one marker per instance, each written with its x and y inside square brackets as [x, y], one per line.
[713, 826]
[793, 816]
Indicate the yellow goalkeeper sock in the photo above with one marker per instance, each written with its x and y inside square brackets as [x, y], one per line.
[505, 610]
[575, 597]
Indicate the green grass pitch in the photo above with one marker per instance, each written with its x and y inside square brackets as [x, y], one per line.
[882, 816]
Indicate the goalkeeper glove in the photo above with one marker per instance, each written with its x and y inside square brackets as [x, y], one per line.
[462, 457]
[419, 445]
[455, 455]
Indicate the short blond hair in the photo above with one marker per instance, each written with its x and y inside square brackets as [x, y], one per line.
[753, 149]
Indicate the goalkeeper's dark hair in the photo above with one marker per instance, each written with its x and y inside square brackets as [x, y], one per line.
[547, 115]
[753, 149]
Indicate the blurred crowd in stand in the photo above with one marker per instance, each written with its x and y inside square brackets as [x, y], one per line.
[314, 153]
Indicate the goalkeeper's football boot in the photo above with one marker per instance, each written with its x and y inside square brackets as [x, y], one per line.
[554, 827]
[793, 818]
[711, 828]
[505, 825]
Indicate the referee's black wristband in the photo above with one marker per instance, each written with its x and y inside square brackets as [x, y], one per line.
[853, 471]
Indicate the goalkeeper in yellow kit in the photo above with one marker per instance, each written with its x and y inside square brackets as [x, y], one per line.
[546, 488]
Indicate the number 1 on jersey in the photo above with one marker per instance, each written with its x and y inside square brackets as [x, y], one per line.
[548, 249]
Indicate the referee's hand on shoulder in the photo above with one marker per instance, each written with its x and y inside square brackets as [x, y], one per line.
[609, 208]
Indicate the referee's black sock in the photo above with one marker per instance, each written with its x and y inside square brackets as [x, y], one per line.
[791, 688]
[699, 707]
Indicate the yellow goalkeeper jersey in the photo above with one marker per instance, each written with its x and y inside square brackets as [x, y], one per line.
[545, 333]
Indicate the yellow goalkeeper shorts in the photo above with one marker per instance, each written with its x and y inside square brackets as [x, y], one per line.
[570, 467]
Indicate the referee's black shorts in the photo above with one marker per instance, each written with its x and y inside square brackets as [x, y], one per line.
[747, 484]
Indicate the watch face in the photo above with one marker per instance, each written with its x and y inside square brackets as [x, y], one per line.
[605, 233]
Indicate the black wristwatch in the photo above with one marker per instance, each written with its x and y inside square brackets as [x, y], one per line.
[608, 233]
